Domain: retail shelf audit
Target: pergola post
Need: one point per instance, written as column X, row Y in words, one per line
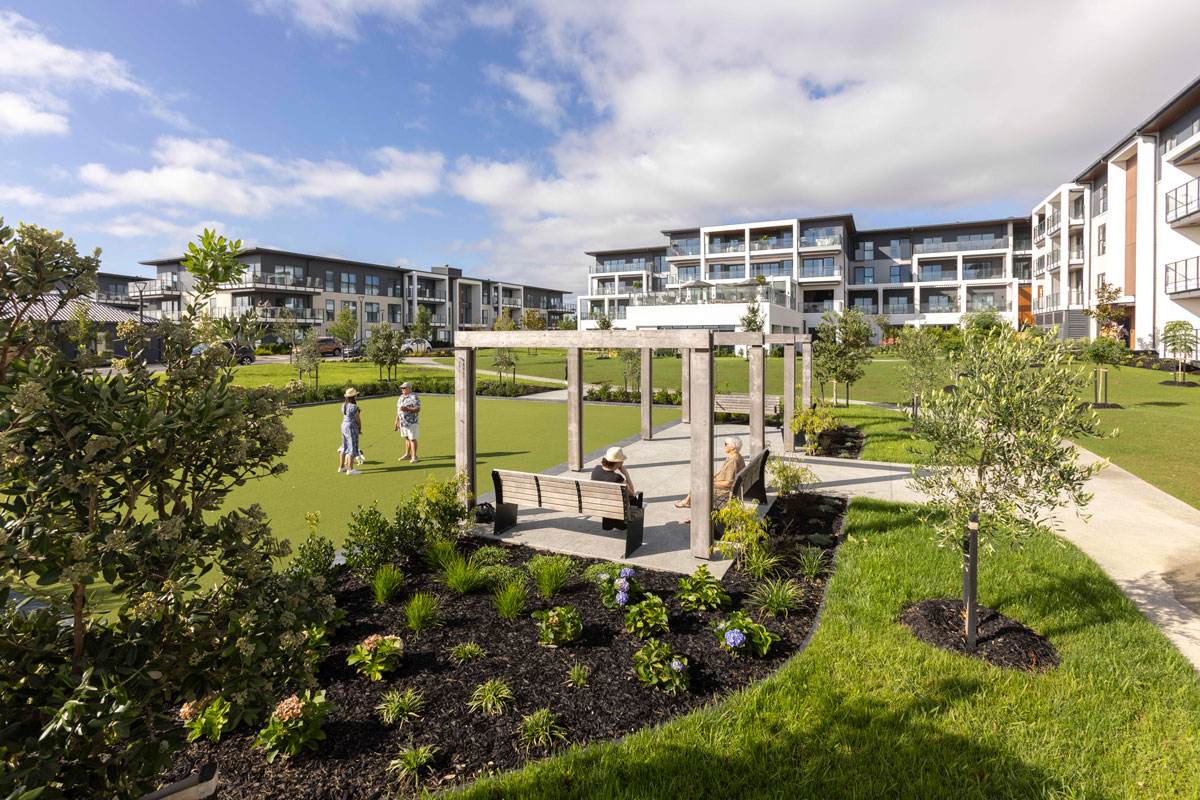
column 575, row 408
column 686, row 384
column 806, row 373
column 464, row 415
column 757, row 399
column 647, row 393
column 789, row 396
column 701, row 379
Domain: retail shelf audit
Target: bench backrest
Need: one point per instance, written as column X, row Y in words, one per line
column 593, row 498
column 749, row 474
column 740, row 403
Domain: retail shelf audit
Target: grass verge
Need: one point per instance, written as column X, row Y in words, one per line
column 868, row 711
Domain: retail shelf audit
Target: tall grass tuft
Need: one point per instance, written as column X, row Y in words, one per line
column 386, row 583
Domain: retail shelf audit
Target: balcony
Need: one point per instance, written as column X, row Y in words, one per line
column 866, row 308
column 1183, row 205
column 988, row 304
column 1075, row 297
column 515, row 302
column 710, row 295
column 772, row 244
column 683, row 249
column 431, row 294
column 1039, row 267
column 618, row 266
column 819, row 307
column 820, row 241
column 897, row 309
column 939, row 307
column 1054, row 259
column 1022, row 245
column 888, row 253
column 823, row 271
column 1075, row 256
column 152, row 290
column 154, row 313
column 1184, row 147
column 1039, row 233
column 1047, row 302
column 1077, row 217
column 983, row 273
column 271, row 314
column 1183, row 277
column 770, row 271
column 279, row 283
column 116, row 298
column 933, row 274
column 727, row 247
column 1054, row 223
column 998, row 243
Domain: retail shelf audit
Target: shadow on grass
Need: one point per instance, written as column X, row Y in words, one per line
column 1159, row 403
column 1067, row 602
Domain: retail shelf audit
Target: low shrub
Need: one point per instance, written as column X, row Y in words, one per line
column 739, row 635
column 498, row 575
column 744, row 528
column 377, row 655
column 489, row 555
column 295, row 725
column 700, row 591
column 594, row 571
column 551, row 573
column 370, row 541
column 387, row 583
column 790, row 476
column 400, row 706
column 540, row 729
column 619, row 589
column 810, row 423
column 490, row 697
column 647, row 618
column 659, row 667
column 421, row 384
column 422, row 612
column 466, row 652
column 777, row 596
column 206, row 719
column 510, row 600
column 315, row 558
column 559, row 625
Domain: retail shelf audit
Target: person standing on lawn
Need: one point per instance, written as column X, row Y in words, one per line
column 351, row 430
column 408, row 406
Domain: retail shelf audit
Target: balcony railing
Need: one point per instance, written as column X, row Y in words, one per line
column 280, row 282
column 116, row 298
column 998, row 243
column 1039, row 232
column 1076, row 254
column 431, row 294
column 710, row 295
column 866, row 308
column 515, row 302
column 938, row 275
column 1054, row 223
column 155, row 288
column 1183, row 201
column 1077, row 216
column 1022, row 245
column 154, row 313
column 690, row 249
column 899, row 308
column 941, row 308
column 982, row 273
column 820, row 241
column 1075, row 297
column 271, row 313
column 1054, row 259
column 822, row 271
column 819, row 307
column 770, row 271
column 619, row 266
column 777, row 244
column 1182, row 276
column 727, row 247
column 980, row 304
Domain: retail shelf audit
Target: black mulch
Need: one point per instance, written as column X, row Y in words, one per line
column 1100, row 405
column 841, row 442
column 1188, row 384
column 1002, row 642
column 352, row 761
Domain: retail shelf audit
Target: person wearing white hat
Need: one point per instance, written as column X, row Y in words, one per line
column 351, row 429
column 723, row 480
column 408, row 406
column 611, row 469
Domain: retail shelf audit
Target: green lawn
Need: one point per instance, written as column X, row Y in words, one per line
column 885, row 440
column 333, row 373
column 869, row 712
column 513, row 434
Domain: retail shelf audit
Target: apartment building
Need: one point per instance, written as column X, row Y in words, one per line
column 797, row 269
column 1130, row 219
column 315, row 288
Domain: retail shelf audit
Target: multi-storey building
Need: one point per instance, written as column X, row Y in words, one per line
column 1131, row 219
column 797, row 269
column 315, row 288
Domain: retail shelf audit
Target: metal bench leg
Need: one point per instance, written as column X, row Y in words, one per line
column 633, row 530
column 506, row 517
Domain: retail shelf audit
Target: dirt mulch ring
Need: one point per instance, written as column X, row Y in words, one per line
column 1187, row 384
column 1101, row 405
column 1003, row 642
column 352, row 761
column 841, row 442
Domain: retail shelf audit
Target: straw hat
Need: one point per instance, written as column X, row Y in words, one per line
column 615, row 454
column 351, row 392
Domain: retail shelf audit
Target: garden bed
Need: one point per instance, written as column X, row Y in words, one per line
column 353, row 760
column 1002, row 642
column 843, row 441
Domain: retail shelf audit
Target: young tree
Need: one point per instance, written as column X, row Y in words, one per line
column 631, row 366
column 1180, row 339
column 117, row 484
column 841, row 348
column 568, row 324
column 923, row 369
column 286, row 328
column 422, row 327
column 379, row 346
column 531, row 320
column 1005, row 429
column 1107, row 314
column 754, row 318
column 887, row 331
column 308, row 357
column 504, row 357
column 81, row 330
column 345, row 327
column 984, row 321
column 1104, row 352
column 603, row 321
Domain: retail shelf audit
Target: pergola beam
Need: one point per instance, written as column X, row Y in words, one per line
column 610, row 339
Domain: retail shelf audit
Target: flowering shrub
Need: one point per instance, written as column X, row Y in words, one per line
column 659, row 667
column 295, row 725
column 701, row 592
column 619, row 590
column 740, row 635
column 208, row 721
column 559, row 625
column 377, row 655
column 647, row 617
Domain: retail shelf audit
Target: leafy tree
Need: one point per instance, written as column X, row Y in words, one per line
column 568, row 324
column 754, row 318
column 286, row 328
column 1104, row 352
column 887, row 331
column 1106, row 312
column 1180, row 339
column 631, row 366
column 383, row 348
column 114, row 486
column 603, row 321
column 345, row 327
column 985, row 321
column 923, row 368
column 422, row 327
column 1005, row 430
column 841, row 348
column 309, row 358
column 531, row 320
column 505, row 357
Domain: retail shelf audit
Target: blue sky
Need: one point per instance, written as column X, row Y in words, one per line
column 507, row 139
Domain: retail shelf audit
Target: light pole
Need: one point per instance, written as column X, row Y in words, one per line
column 360, row 317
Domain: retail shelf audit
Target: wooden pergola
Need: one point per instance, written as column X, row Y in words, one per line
column 696, row 346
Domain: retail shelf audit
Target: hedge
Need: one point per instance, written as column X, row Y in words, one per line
column 421, row 385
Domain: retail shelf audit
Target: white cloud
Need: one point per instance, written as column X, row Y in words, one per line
column 25, row 196
column 37, row 72
column 539, row 98
column 493, row 16
column 341, row 19
column 141, row 226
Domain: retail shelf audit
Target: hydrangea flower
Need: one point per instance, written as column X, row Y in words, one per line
column 604, row 576
column 677, row 665
column 289, row 709
column 735, row 638
column 622, row 598
column 628, row 572
column 622, row 585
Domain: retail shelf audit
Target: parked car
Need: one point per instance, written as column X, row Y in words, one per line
column 355, row 349
column 243, row 354
column 326, row 345
column 414, row 347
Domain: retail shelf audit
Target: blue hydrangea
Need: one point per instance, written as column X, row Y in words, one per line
column 622, row 585
column 735, row 638
column 604, row 576
column 628, row 572
column 677, row 665
column 622, row 598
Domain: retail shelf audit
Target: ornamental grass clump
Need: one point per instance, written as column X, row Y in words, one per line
column 647, row 618
column 578, row 675
column 777, row 596
column 387, row 583
column 760, row 562
column 206, row 719
column 811, row 563
column 412, row 760
column 700, row 591
column 619, row 589
column 490, row 697
column 541, row 729
column 551, row 573
column 465, row 652
column 498, row 575
column 439, row 553
column 400, row 706
column 740, row 635
column 377, row 655
column 560, row 625
column 295, row 725
column 423, row 612
column 510, row 600
column 462, row 575
column 659, row 667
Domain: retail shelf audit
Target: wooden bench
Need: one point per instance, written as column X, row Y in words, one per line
column 740, row 404
column 557, row 493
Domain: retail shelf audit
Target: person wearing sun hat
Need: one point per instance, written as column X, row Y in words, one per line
column 408, row 407
column 351, row 429
column 611, row 469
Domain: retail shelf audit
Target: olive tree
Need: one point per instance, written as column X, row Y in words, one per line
column 309, row 358
column 113, row 487
column 841, row 347
column 923, row 369
column 504, row 358
column 383, row 348
column 1104, row 352
column 1004, row 431
column 345, row 327
column 1179, row 339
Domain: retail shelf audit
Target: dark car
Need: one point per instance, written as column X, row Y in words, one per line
column 244, row 354
column 356, row 348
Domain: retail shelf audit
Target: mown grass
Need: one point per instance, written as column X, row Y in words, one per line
column 885, row 439
column 868, row 711
column 333, row 373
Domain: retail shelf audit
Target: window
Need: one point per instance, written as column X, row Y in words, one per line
column 349, row 283
column 689, row 273
column 329, row 286
column 895, row 304
column 864, row 274
column 868, row 252
column 898, row 273
column 976, row 237
column 330, row 313
column 394, row 288
column 660, row 264
column 396, row 313
column 1100, row 201
column 863, row 302
column 899, row 248
column 1101, row 235
column 351, row 306
column 372, row 285
column 818, row 267
column 371, row 312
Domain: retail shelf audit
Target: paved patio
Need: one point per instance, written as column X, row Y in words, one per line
column 660, row 469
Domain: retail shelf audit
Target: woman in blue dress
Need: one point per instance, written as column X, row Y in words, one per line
column 351, row 430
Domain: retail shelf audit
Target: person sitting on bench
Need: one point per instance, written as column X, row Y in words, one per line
column 723, row 480
column 611, row 469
